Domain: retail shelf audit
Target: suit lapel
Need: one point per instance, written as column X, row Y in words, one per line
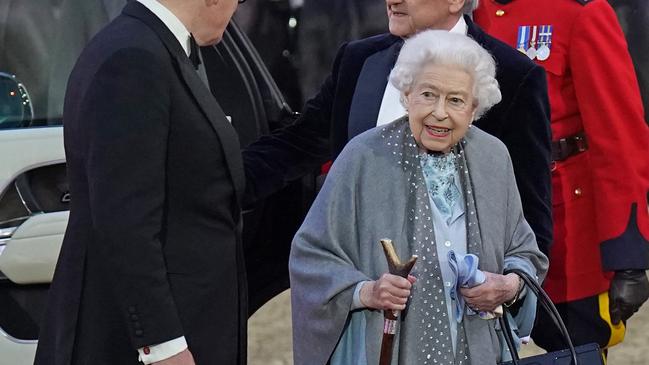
column 206, row 101
column 217, row 118
column 370, row 87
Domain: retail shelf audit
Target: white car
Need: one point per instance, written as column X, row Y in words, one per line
column 42, row 39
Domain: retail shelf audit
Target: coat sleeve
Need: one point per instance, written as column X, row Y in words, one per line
column 127, row 109
column 613, row 120
column 322, row 263
column 295, row 150
column 527, row 136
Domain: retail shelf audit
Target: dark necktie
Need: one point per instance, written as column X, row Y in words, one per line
column 193, row 52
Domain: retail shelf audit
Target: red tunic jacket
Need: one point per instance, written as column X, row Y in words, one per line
column 599, row 197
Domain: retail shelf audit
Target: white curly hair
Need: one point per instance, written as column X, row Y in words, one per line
column 445, row 48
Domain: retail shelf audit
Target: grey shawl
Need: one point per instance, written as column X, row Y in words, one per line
column 368, row 195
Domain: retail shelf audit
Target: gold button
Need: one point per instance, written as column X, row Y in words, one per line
column 578, row 192
column 500, row 12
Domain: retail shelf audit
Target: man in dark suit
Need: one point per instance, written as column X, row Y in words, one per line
column 356, row 95
column 151, row 264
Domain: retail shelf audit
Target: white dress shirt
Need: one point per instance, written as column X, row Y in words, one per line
column 171, row 21
column 165, row 350
column 391, row 107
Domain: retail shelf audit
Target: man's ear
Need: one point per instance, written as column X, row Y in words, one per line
column 455, row 6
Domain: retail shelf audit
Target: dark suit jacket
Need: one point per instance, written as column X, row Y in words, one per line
column 152, row 250
column 349, row 101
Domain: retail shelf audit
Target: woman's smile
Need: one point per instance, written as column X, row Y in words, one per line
column 438, row 132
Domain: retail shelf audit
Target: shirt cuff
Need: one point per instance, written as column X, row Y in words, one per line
column 356, row 302
column 162, row 351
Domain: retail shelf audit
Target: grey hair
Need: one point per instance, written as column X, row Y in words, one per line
column 469, row 6
column 445, row 48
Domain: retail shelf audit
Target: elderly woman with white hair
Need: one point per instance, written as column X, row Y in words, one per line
column 440, row 189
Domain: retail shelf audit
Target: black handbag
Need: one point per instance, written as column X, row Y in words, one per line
column 588, row 354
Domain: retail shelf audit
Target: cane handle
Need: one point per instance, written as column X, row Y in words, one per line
column 394, row 263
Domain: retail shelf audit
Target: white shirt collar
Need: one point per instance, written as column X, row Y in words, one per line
column 460, row 27
column 171, row 21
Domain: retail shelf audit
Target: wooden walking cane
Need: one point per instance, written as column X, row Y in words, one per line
column 391, row 317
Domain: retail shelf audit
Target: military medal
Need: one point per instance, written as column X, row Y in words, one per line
column 543, row 53
column 545, row 39
column 531, row 52
column 523, row 38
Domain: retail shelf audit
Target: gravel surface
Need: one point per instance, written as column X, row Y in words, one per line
column 269, row 341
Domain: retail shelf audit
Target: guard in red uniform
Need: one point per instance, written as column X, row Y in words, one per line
column 600, row 169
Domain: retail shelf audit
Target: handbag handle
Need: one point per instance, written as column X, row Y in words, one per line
column 547, row 305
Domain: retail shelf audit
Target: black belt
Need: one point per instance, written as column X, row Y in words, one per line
column 569, row 146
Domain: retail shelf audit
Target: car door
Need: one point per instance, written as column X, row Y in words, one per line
column 39, row 41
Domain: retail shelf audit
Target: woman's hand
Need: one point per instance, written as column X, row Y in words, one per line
column 389, row 292
column 496, row 290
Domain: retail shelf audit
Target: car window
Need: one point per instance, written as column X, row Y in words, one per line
column 40, row 41
column 26, row 41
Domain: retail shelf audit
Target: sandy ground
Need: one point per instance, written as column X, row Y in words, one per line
column 270, row 337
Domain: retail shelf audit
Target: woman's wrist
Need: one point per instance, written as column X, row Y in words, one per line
column 365, row 295
column 516, row 286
